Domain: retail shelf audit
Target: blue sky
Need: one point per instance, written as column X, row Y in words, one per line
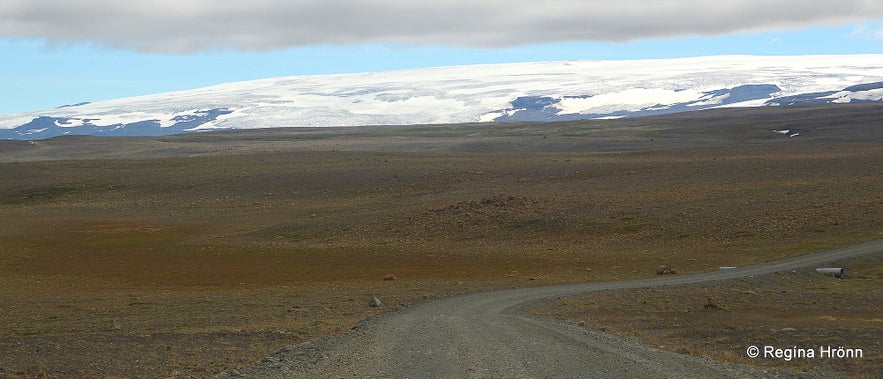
column 45, row 69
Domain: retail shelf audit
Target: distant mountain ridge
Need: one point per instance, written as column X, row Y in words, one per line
column 542, row 91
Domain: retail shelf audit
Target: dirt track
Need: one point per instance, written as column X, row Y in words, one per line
column 491, row 334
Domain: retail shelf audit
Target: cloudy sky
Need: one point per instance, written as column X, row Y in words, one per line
column 56, row 52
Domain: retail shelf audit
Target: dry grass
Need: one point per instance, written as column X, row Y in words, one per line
column 190, row 266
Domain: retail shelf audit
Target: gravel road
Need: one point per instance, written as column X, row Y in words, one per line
column 492, row 335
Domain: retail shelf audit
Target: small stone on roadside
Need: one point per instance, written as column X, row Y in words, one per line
column 374, row 302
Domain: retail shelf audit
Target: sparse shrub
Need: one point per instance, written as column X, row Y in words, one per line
column 712, row 304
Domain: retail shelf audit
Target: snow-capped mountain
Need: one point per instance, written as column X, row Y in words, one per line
column 545, row 91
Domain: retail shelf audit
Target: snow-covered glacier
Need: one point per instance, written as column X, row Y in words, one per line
column 541, row 91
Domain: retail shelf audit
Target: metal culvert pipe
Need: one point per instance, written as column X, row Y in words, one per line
column 837, row 272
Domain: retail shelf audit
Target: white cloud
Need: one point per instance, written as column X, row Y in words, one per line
column 194, row 25
column 868, row 32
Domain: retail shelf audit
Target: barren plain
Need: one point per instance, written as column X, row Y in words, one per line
column 197, row 254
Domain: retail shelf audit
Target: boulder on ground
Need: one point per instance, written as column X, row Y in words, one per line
column 665, row 270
